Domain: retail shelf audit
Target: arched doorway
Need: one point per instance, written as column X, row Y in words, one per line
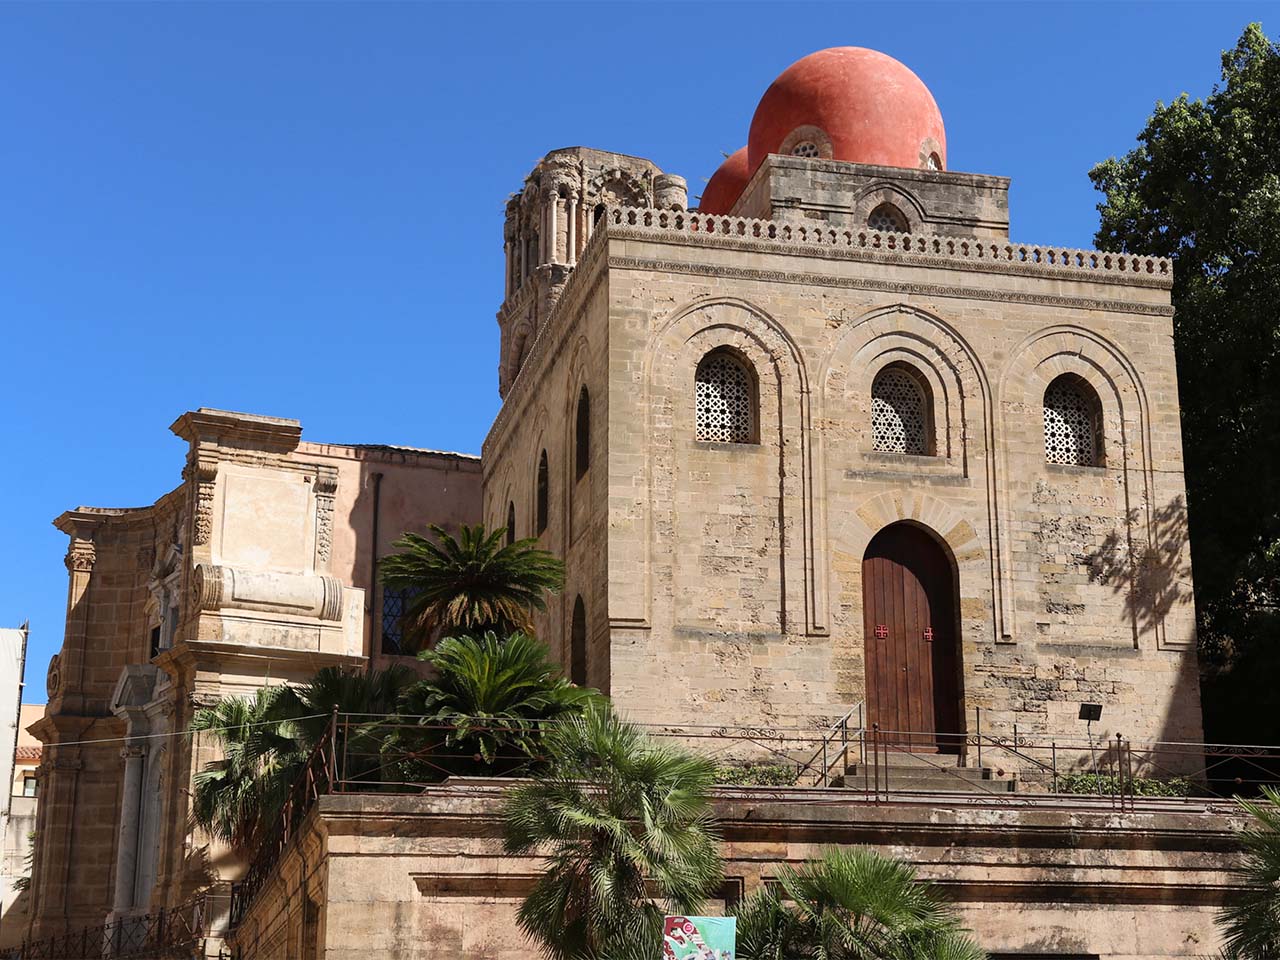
column 909, row 595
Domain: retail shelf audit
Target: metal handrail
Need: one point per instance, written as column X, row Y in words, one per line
column 839, row 728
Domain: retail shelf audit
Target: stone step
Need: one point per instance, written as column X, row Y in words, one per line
column 924, row 773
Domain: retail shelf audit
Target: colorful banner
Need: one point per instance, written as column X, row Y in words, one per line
column 699, row 938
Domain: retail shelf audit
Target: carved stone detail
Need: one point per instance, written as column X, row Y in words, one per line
column 325, row 487
column 204, row 472
column 53, row 676
column 81, row 556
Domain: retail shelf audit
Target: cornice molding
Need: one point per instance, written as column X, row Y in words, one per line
column 889, row 286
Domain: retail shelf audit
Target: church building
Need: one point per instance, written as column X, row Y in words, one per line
column 822, row 439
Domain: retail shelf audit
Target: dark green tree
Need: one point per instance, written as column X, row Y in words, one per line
column 471, row 584
column 1203, row 188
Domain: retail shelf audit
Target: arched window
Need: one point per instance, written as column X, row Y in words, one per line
column 900, row 412
column 543, row 482
column 578, row 644
column 1072, row 422
column 725, row 398
column 582, row 435
column 597, row 214
column 887, row 218
column 511, row 524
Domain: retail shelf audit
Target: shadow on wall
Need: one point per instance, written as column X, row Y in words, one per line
column 14, row 920
column 1153, row 577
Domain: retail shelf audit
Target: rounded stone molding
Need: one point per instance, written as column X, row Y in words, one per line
column 53, row 676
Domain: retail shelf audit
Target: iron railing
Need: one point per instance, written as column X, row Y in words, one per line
column 179, row 933
column 848, row 761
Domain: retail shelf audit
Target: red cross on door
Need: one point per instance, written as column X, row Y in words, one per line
column 882, row 632
column 928, row 634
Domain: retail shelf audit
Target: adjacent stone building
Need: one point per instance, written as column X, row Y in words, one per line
column 829, row 441
column 254, row 570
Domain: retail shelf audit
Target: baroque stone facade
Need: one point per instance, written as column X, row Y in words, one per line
column 254, row 570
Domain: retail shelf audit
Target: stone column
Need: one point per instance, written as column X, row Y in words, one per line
column 520, row 246
column 571, row 243
column 552, row 239
column 130, row 823
column 506, row 269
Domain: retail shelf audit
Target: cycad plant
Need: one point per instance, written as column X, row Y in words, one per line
column 626, row 827
column 1251, row 924
column 493, row 698
column 471, row 584
column 850, row 904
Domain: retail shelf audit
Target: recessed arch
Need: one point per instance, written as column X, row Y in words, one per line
column 543, row 495
column 578, row 643
column 511, row 522
column 582, row 435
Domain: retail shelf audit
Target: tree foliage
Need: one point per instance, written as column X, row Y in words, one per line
column 494, row 696
column 471, row 584
column 266, row 739
column 1203, row 187
column 1251, row 924
column 614, row 810
column 850, row 904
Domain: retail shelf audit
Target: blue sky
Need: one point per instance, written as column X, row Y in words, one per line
column 296, row 209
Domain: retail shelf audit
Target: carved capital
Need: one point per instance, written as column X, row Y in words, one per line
column 81, row 556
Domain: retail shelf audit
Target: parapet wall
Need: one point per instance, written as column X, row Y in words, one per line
column 424, row 877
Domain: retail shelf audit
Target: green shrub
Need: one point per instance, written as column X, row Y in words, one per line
column 1106, row 784
column 756, row 774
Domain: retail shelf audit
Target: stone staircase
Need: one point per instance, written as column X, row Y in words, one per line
column 903, row 772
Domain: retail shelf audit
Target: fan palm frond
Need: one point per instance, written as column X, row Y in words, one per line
column 613, row 811
column 1251, row 923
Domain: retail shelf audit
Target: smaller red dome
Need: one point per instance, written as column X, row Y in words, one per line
column 849, row 103
column 726, row 184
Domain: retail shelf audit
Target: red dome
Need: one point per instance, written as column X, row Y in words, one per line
column 858, row 104
column 726, row 184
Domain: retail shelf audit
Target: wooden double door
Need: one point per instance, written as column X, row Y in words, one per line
column 912, row 659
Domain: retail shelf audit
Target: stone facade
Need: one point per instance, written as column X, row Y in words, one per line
column 256, row 569
column 425, row 878
column 723, row 581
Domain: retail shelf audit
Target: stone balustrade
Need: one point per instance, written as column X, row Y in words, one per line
column 932, row 246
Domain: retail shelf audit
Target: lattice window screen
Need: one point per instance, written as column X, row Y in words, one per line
column 887, row 218
column 805, row 148
column 899, row 419
column 725, row 400
column 1070, row 425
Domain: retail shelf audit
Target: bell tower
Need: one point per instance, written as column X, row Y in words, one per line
column 548, row 225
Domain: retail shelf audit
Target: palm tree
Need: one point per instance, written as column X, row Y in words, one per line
column 472, row 584
column 237, row 798
column 495, row 697
column 267, row 738
column 624, row 821
column 1251, row 925
column 851, row 905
